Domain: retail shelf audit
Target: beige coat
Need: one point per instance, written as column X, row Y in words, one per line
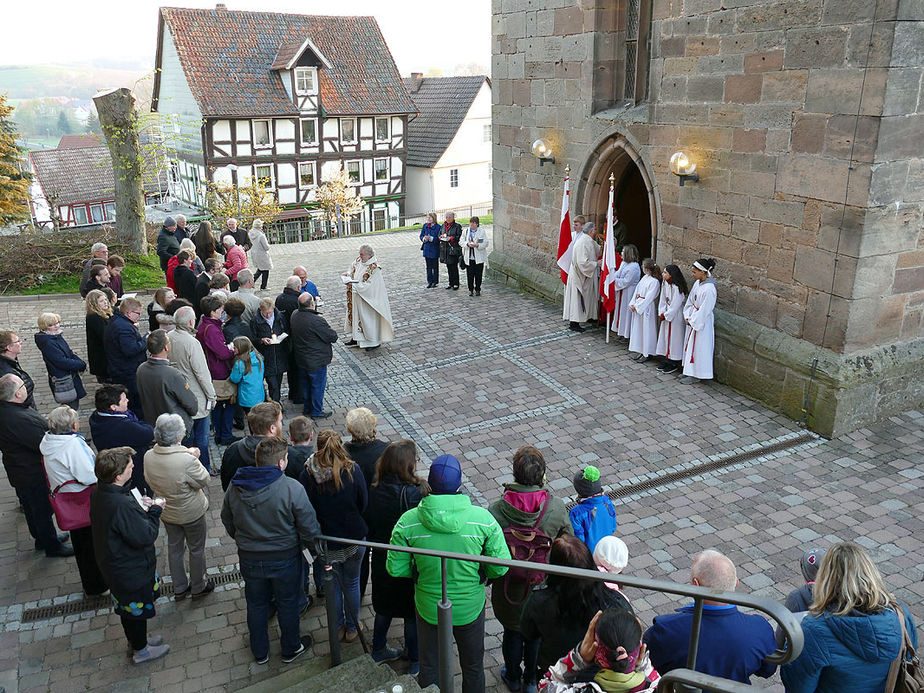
column 259, row 250
column 582, row 289
column 187, row 357
column 179, row 477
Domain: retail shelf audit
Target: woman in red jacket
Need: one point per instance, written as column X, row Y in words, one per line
column 235, row 260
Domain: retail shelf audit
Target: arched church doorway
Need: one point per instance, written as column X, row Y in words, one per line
column 634, row 197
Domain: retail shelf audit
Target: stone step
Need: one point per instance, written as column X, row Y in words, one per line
column 359, row 674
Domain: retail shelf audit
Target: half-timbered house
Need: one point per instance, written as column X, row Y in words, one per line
column 286, row 99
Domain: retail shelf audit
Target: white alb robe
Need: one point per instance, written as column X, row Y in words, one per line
column 643, row 338
column 581, row 295
column 625, row 280
column 673, row 327
column 700, row 339
column 368, row 316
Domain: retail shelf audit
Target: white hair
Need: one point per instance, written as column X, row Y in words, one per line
column 187, row 244
column 169, row 429
column 185, row 316
column 294, row 282
column 96, row 247
column 61, row 420
column 257, row 224
column 714, row 569
column 245, row 276
column 367, row 248
column 232, row 220
column 179, row 218
column 588, row 227
column 228, row 241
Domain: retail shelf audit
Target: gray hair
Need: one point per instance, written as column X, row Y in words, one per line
column 179, row 218
column 367, row 248
column 9, row 386
column 185, row 317
column 228, row 241
column 96, row 247
column 306, row 299
column 257, row 224
column 715, row 570
column 294, row 282
column 187, row 244
column 588, row 227
column 169, row 429
column 232, row 220
column 244, row 276
column 61, row 420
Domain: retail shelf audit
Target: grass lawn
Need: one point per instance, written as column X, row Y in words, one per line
column 137, row 275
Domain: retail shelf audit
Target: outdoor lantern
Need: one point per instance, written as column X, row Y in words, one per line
column 683, row 169
column 543, row 152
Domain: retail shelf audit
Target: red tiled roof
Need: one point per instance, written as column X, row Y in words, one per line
column 77, row 141
column 228, row 56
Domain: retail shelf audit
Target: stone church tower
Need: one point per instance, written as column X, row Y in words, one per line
column 805, row 119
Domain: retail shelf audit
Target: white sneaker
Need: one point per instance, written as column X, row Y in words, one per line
column 150, row 653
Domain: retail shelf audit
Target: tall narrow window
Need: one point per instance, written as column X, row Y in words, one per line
column 353, row 171
column 453, row 178
column 347, row 130
column 306, row 174
column 96, row 214
column 309, row 132
column 261, row 134
column 80, row 214
column 264, row 175
column 381, row 130
column 381, row 169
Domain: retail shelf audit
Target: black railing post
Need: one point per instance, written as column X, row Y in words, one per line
column 694, row 641
column 444, row 634
column 333, row 632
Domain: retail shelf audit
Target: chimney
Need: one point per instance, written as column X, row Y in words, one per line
column 416, row 80
column 221, row 7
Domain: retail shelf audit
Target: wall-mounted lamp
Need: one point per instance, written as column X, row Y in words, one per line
column 683, row 169
column 543, row 152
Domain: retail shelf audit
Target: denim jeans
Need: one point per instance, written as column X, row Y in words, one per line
column 433, row 270
column 348, row 572
column 222, row 416
column 199, row 437
column 313, row 386
column 380, row 630
column 279, row 581
column 517, row 649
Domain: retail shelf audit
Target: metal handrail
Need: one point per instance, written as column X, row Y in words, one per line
column 790, row 627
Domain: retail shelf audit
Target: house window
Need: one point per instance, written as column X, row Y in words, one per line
column 80, row 215
column 264, row 175
column 353, row 171
column 381, row 130
column 453, row 178
column 96, row 214
column 309, row 131
column 347, row 130
column 261, row 134
column 379, row 219
column 486, row 133
column 306, row 80
column 110, row 211
column 306, row 174
column 381, row 169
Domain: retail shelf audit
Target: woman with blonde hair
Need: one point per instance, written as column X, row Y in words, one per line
column 363, row 447
column 63, row 365
column 337, row 491
column 99, row 310
column 853, row 629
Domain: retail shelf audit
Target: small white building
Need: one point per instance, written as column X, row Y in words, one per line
column 449, row 143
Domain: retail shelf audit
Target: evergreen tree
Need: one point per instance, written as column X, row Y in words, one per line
column 14, row 178
column 93, row 124
column 63, row 124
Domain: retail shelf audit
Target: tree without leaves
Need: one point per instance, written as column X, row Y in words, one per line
column 14, row 181
column 337, row 197
column 256, row 201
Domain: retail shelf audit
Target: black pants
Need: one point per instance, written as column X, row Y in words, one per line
column 474, row 272
column 136, row 630
column 453, row 269
column 261, row 273
column 433, row 270
column 92, row 580
column 37, row 508
column 470, row 641
column 235, row 285
column 274, row 385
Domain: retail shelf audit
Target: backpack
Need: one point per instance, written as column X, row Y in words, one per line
column 527, row 544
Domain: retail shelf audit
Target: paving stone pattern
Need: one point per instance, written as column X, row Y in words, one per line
column 478, row 377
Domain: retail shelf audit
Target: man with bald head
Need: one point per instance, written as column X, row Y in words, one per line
column 307, row 286
column 732, row 645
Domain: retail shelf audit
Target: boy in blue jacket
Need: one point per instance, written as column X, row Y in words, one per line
column 594, row 516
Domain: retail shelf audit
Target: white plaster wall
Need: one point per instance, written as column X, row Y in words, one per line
column 419, row 199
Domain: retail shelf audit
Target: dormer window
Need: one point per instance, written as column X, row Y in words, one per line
column 306, row 80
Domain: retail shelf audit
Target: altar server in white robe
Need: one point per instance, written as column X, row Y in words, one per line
column 368, row 314
column 581, row 294
column 643, row 308
column 670, row 312
column 698, row 313
column 625, row 280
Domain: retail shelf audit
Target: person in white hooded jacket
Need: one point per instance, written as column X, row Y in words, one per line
column 69, row 466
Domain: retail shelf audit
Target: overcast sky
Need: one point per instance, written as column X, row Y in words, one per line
column 420, row 33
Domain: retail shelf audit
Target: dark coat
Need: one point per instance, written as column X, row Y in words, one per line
column 298, row 455
column 387, row 502
column 236, row 327
column 8, row 365
column 185, row 280
column 21, row 431
column 125, row 350
column 242, row 454
column 340, row 513
column 168, row 245
column 311, row 339
column 202, row 290
column 123, row 541
column 60, row 360
column 275, row 356
column 447, row 256
column 96, row 350
column 164, row 390
column 112, row 430
column 366, row 455
column 287, row 303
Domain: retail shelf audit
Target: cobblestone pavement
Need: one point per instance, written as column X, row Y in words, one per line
column 478, row 377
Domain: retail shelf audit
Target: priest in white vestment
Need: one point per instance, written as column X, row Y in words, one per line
column 368, row 314
column 581, row 291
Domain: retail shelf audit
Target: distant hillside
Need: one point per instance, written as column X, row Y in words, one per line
column 36, row 81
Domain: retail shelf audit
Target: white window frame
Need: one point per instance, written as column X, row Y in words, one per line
column 269, row 133
column 109, row 208
column 375, row 173
column 359, row 168
column 314, row 175
column 375, row 124
column 86, row 214
column 486, row 133
column 301, row 131
column 453, row 178
column 100, row 216
column 272, row 177
column 313, row 73
column 355, row 133
column 383, row 211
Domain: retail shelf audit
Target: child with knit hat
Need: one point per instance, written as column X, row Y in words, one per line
column 594, row 516
column 800, row 599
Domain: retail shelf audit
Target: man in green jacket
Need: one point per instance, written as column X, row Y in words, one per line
column 446, row 520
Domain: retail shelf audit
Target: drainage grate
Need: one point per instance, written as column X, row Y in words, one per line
column 96, row 603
